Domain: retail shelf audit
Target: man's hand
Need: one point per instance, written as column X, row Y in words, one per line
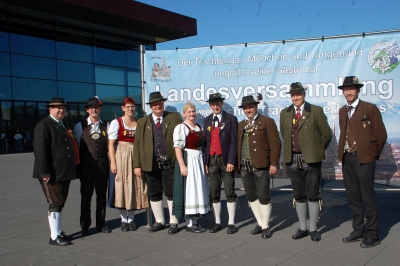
column 230, row 167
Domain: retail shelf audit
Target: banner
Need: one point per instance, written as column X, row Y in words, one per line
column 269, row 68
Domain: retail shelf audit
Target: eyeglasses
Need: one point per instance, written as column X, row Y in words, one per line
column 129, row 106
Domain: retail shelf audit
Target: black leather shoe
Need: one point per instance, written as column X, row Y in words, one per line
column 124, row 227
column 353, row 237
column 132, row 226
column 201, row 228
column 194, row 229
column 59, row 241
column 257, row 230
column 85, row 232
column 215, row 228
column 231, row 229
column 156, row 227
column 173, row 229
column 63, row 235
column 369, row 242
column 315, row 236
column 300, row 234
column 266, row 233
column 104, row 229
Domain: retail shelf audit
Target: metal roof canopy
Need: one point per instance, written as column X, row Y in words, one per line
column 135, row 22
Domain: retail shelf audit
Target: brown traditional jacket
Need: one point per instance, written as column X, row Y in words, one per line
column 369, row 131
column 264, row 142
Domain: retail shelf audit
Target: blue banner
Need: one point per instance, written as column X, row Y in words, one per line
column 269, row 68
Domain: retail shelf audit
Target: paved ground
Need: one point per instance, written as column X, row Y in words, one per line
column 24, row 232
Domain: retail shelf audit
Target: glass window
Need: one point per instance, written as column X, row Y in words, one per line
column 6, row 110
column 73, row 71
column 22, row 44
column 134, row 78
column 133, row 59
column 5, row 64
column 4, row 41
column 75, row 92
column 111, row 94
column 110, row 112
column 110, row 75
column 5, row 88
column 136, row 94
column 75, row 52
column 110, row 57
column 43, row 111
column 33, row 67
column 34, row 89
column 30, row 119
column 19, row 114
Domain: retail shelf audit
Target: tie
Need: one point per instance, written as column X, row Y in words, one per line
column 349, row 108
column 158, row 124
column 216, row 121
column 298, row 114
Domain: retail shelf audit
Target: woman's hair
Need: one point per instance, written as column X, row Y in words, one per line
column 128, row 100
column 186, row 106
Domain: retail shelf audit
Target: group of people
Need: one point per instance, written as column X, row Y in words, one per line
column 159, row 155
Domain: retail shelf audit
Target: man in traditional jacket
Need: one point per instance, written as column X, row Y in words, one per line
column 306, row 135
column 259, row 149
column 56, row 157
column 220, row 159
column 154, row 155
column 362, row 138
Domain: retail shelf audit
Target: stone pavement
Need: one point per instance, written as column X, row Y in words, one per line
column 24, row 232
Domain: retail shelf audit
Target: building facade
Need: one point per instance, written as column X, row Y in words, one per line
column 76, row 50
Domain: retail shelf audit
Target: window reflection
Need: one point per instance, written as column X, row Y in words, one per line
column 110, row 57
column 34, row 89
column 110, row 75
column 6, row 110
column 111, row 94
column 4, row 42
column 75, row 52
column 5, row 88
column 133, row 77
column 33, row 67
column 75, row 92
column 37, row 46
column 5, row 64
column 73, row 71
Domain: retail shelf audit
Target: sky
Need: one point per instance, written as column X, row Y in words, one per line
column 222, row 22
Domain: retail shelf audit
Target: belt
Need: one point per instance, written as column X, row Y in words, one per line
column 350, row 151
column 163, row 165
column 216, row 156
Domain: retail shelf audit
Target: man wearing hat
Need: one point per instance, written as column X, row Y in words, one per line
column 306, row 135
column 56, row 157
column 362, row 138
column 259, row 149
column 91, row 134
column 220, row 159
column 154, row 155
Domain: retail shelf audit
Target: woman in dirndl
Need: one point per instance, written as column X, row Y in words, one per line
column 127, row 192
column 191, row 198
